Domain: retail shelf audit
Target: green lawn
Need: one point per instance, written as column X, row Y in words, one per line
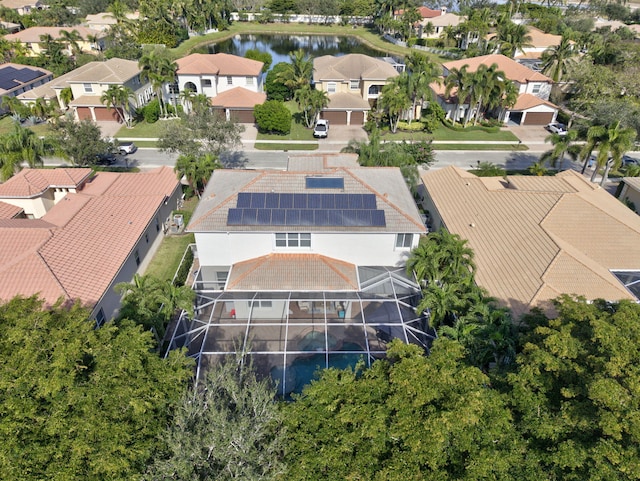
column 470, row 134
column 6, row 126
column 514, row 147
column 143, row 130
column 284, row 146
column 166, row 261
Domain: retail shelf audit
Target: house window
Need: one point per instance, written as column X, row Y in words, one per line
column 404, row 240
column 206, row 82
column 157, row 225
column 221, row 278
column 137, row 256
column 249, row 80
column 146, row 237
column 262, row 304
column 354, row 84
column 88, row 88
column 293, row 239
column 100, row 317
column 229, row 80
column 535, row 88
column 331, row 88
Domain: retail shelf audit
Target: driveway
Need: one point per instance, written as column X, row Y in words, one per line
column 531, row 135
column 109, row 129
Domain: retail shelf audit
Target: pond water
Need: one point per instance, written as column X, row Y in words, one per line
column 279, row 46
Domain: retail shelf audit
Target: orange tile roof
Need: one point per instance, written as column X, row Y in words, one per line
column 536, row 237
column 238, row 97
column 79, row 246
column 217, row 64
column 33, row 182
column 33, row 34
column 306, row 272
column 527, row 101
column 8, row 211
column 512, row 69
column 425, row 12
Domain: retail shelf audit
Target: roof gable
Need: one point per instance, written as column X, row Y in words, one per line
column 512, row 69
column 218, row 64
column 351, row 66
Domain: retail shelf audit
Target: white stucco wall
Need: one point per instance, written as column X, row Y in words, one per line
column 220, row 249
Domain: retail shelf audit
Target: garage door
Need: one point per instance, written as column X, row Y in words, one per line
column 243, row 116
column 335, row 118
column 357, row 118
column 84, row 113
column 104, row 114
column 538, row 118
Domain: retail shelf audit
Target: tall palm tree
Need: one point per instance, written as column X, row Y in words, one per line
column 71, row 39
column 311, row 102
column 562, row 144
column 159, row 70
column 175, row 297
column 66, row 96
column 512, row 38
column 422, row 73
column 19, row 146
column 298, row 72
column 556, row 61
column 394, row 100
column 196, row 170
column 458, row 80
column 611, row 142
column 118, row 97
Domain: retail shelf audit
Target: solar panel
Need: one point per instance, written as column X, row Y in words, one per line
column 234, row 217
column 244, row 200
column 264, row 217
column 324, row 183
column 306, row 209
column 272, row 201
column 27, row 75
column 278, row 217
column 300, row 201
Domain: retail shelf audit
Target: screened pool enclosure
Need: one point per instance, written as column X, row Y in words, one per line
column 290, row 335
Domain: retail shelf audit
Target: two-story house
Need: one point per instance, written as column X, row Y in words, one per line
column 24, row 7
column 353, row 82
column 35, row 39
column 303, row 265
column 234, row 84
column 89, row 82
column 532, row 106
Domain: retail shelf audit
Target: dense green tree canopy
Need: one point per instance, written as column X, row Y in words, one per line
column 79, row 403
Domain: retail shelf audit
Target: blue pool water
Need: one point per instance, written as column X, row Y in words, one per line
column 304, row 369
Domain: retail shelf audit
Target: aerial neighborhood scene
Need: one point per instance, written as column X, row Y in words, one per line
column 292, row 240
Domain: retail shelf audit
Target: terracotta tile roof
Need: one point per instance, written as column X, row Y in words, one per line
column 33, row 182
column 350, row 67
column 217, row 64
column 444, row 20
column 346, row 100
column 512, row 69
column 238, row 97
column 386, row 183
column 425, row 12
column 8, row 211
column 15, row 4
column 306, row 272
column 537, row 237
column 33, row 34
column 527, row 101
column 78, row 247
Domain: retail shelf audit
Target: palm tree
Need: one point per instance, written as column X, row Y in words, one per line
column 557, row 60
column 118, row 96
column 298, row 72
column 159, row 70
column 394, row 100
column 71, row 38
column 40, row 108
column 458, row 80
column 422, row 73
column 186, row 99
column 66, row 96
column 537, row 168
column 19, row 146
column 311, row 102
column 46, row 40
column 512, row 38
column 141, row 301
column 175, row 297
column 611, row 142
column 196, row 170
column 561, row 145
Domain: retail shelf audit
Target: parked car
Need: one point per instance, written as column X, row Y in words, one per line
column 557, row 128
column 321, row 130
column 107, row 158
column 627, row 161
column 127, row 147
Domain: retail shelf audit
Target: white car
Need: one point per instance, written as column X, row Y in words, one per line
column 557, row 128
column 321, row 130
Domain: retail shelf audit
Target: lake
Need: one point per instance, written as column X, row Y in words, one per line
column 279, row 46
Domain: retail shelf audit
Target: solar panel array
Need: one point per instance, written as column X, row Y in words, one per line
column 324, row 182
column 11, row 77
column 285, row 209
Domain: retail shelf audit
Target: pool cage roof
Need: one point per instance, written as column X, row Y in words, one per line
column 292, row 334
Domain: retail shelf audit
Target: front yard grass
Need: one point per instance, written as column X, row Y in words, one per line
column 446, row 134
column 514, row 147
column 167, row 259
column 284, row 146
column 143, row 130
column 6, row 126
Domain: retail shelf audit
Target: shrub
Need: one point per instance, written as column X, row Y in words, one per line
column 183, row 270
column 273, row 117
column 276, row 90
column 410, row 127
column 433, row 116
column 151, row 111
